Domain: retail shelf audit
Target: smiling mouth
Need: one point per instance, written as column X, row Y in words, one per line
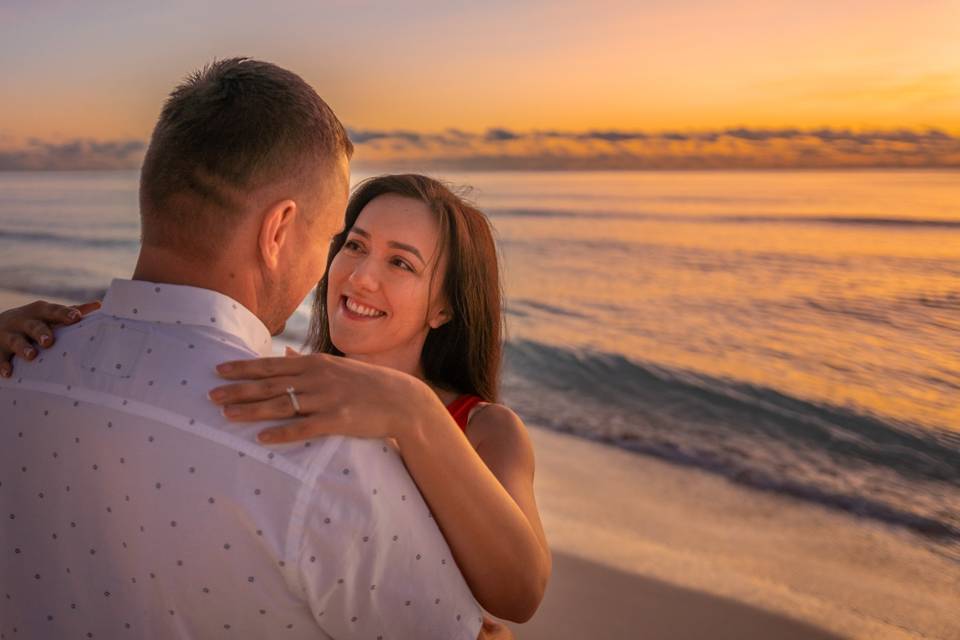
column 357, row 309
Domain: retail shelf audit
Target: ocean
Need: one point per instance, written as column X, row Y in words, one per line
column 795, row 332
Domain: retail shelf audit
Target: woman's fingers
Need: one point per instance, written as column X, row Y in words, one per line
column 88, row 307
column 272, row 409
column 19, row 346
column 262, row 368
column 335, row 395
column 6, row 369
column 252, row 391
column 293, row 432
column 37, row 319
column 52, row 312
column 70, row 315
column 23, row 328
column 314, row 416
column 39, row 332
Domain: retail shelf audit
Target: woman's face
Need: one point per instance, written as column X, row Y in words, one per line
column 380, row 302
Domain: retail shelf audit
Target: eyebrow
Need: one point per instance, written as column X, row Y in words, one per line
column 396, row 245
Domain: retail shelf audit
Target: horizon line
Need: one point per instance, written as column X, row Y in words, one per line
column 500, row 148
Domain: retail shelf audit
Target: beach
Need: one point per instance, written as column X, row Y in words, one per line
column 644, row 549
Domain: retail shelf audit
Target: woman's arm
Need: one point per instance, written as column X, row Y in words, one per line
column 494, row 530
column 482, row 500
column 25, row 329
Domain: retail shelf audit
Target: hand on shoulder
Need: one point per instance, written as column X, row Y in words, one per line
column 334, row 395
column 25, row 329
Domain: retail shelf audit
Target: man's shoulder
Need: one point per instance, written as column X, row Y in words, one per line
column 183, row 345
column 202, row 344
column 165, row 370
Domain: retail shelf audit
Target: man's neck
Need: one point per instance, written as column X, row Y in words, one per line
column 156, row 264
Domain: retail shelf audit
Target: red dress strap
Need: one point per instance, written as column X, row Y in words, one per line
column 461, row 407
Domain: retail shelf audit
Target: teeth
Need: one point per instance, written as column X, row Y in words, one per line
column 363, row 310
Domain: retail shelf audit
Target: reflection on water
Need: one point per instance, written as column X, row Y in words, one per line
column 726, row 274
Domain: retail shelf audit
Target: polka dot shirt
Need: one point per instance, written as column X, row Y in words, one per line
column 132, row 509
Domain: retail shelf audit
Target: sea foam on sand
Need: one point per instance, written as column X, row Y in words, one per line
column 647, row 549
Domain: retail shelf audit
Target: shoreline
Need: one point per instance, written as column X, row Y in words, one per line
column 701, row 554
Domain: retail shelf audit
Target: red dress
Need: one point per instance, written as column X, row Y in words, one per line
column 461, row 407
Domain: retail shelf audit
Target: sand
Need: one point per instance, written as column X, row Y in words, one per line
column 589, row 600
column 648, row 550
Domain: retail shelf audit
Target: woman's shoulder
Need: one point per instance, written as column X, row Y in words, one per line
column 492, row 422
column 494, row 413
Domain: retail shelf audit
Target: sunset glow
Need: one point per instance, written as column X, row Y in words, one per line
column 101, row 70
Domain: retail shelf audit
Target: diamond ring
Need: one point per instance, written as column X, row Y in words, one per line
column 293, row 400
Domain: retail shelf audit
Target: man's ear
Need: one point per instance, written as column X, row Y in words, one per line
column 440, row 318
column 276, row 228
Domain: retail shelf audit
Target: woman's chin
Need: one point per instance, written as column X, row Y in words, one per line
column 351, row 347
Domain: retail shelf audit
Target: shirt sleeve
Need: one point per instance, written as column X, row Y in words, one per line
column 373, row 562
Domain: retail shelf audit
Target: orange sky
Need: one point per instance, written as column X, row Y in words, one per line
column 101, row 70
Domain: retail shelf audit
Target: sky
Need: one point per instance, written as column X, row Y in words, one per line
column 98, row 71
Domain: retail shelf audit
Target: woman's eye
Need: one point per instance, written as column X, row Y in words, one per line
column 403, row 264
column 352, row 245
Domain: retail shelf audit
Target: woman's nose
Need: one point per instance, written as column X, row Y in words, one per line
column 364, row 276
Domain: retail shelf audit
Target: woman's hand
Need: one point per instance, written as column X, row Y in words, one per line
column 335, row 395
column 24, row 328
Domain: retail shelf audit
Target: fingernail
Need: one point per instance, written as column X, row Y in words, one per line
column 29, row 352
column 216, row 395
column 225, row 367
column 44, row 340
column 265, row 437
column 73, row 314
column 5, row 372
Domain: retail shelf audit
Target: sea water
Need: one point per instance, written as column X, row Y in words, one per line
column 797, row 332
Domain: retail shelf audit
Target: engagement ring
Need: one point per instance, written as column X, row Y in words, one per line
column 293, row 400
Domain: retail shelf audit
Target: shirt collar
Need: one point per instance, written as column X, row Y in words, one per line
column 179, row 304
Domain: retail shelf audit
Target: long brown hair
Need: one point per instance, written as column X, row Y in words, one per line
column 463, row 355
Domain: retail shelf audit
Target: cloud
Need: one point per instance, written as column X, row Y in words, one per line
column 739, row 147
column 610, row 136
column 70, row 155
column 501, row 134
column 500, row 148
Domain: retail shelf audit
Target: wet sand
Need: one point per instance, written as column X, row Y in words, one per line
column 645, row 549
column 588, row 600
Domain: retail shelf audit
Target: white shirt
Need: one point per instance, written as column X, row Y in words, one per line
column 132, row 509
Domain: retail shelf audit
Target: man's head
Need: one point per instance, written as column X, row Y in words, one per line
column 247, row 173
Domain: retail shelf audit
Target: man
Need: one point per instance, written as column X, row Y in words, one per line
column 131, row 508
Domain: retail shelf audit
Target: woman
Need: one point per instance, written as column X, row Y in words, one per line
column 412, row 284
